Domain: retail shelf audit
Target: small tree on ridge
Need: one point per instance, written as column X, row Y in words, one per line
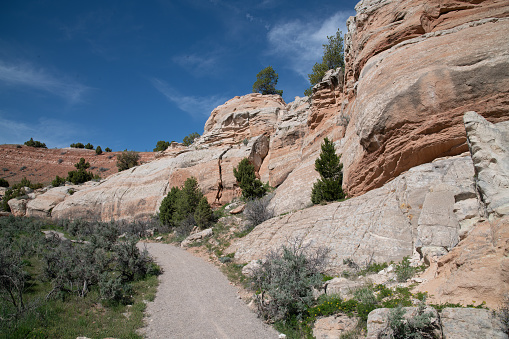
column 266, row 81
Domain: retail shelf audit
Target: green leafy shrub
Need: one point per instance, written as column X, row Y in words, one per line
column 107, row 149
column 203, row 215
column 183, row 207
column 58, row 181
column 81, row 174
column 77, row 145
column 33, row 143
column 89, row 146
column 161, row 146
column 4, row 183
column 17, row 191
column 421, row 325
column 127, row 160
column 98, row 150
column 188, row 140
column 266, row 81
column 405, row 271
column 328, row 187
column 252, row 187
column 288, row 277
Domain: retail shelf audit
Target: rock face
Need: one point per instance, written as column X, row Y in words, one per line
column 489, row 146
column 477, row 269
column 384, row 224
column 412, row 69
column 43, row 204
column 333, row 327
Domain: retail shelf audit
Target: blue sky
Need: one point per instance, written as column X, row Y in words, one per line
column 125, row 74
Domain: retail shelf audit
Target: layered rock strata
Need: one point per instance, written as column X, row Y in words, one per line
column 411, row 213
column 412, row 70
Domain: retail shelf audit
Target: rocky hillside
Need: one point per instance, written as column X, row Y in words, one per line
column 43, row 165
column 422, row 175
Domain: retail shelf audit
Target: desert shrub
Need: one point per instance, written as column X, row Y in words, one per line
column 419, row 326
column 58, row 181
column 81, row 174
column 60, row 161
column 77, row 145
column 33, row 143
column 189, row 140
column 257, row 211
column 328, row 187
column 252, row 187
column 287, row 278
column 161, row 145
column 89, row 146
column 16, row 191
column 405, row 271
column 98, row 150
column 107, row 149
column 4, row 183
column 203, row 214
column 127, row 160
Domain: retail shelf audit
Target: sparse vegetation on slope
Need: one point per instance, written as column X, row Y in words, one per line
column 32, row 143
column 127, row 160
column 52, row 287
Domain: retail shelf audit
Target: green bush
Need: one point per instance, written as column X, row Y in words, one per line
column 161, row 146
column 81, row 174
column 285, row 280
column 4, row 183
column 181, row 206
column 404, row 271
column 188, row 140
column 89, row 146
column 266, row 81
column 127, row 159
column 77, row 145
column 252, row 188
column 168, row 207
column 58, row 181
column 107, row 149
column 328, row 187
column 33, row 143
column 420, row 325
column 333, row 57
column 98, row 150
column 203, row 215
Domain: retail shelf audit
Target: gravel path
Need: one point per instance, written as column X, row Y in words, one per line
column 195, row 300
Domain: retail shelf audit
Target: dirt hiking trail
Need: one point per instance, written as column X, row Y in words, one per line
column 195, row 300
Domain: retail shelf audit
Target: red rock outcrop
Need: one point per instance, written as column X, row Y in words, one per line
column 413, row 69
column 43, row 165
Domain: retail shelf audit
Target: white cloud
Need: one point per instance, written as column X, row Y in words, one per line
column 301, row 42
column 25, row 75
column 54, row 133
column 197, row 107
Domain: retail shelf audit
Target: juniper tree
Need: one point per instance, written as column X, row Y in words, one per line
column 266, row 81
column 245, row 175
column 328, row 187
